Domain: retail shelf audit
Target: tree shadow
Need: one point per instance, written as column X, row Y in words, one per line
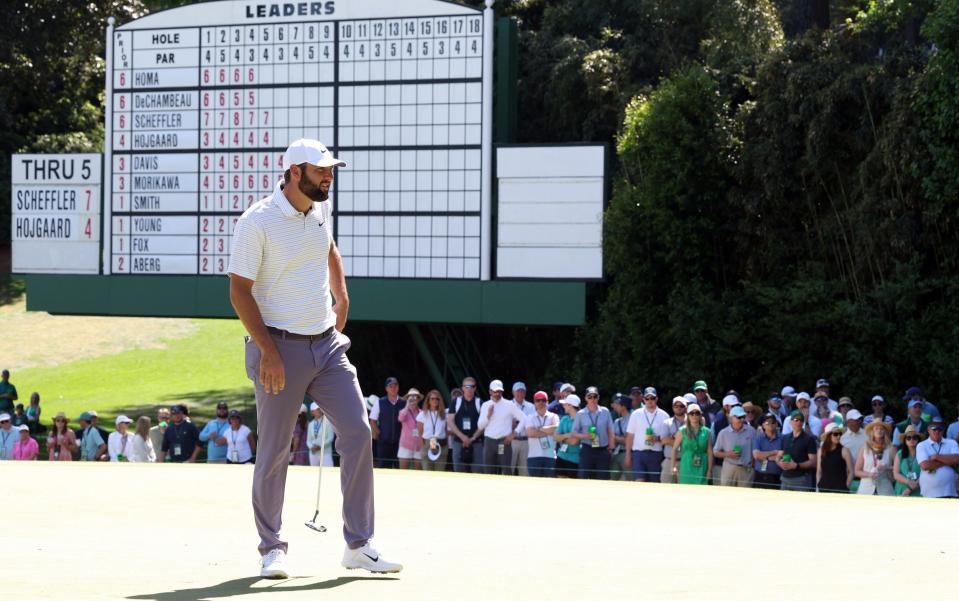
column 11, row 289
column 244, row 586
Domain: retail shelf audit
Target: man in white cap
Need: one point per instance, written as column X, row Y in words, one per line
column 316, row 441
column 497, row 419
column 644, row 439
column 285, row 270
column 520, row 445
column 8, row 437
column 854, row 438
column 120, row 443
column 788, row 393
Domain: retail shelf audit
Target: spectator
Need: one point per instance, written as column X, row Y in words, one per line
column 617, row 463
column 143, row 451
column 212, row 432
column 497, row 420
column 673, row 424
column 556, row 405
column 803, row 403
column 431, row 425
column 95, row 422
column 914, row 418
column 735, row 446
column 92, row 445
column 593, row 427
column 19, row 417
column 697, row 448
column 33, row 414
column 777, row 408
column 8, row 393
column 518, row 464
column 798, row 458
column 822, row 415
column 766, row 449
column 853, row 439
column 644, row 439
column 463, row 422
column 720, row 422
column 834, row 465
column 874, row 464
column 158, row 431
column 299, row 451
column 635, row 398
column 845, row 406
column 937, row 457
column 181, row 440
column 410, row 451
column 788, row 393
column 878, row 412
column 120, row 443
column 707, row 405
column 929, row 410
column 62, row 442
column 953, row 431
column 754, row 415
column 540, row 427
column 822, row 389
column 315, row 439
column 905, row 467
column 25, row 449
column 240, row 443
column 385, row 422
column 567, row 456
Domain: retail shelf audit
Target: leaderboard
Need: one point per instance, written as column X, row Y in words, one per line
column 201, row 115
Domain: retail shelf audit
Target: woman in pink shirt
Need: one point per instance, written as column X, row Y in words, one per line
column 25, row 449
column 411, row 445
column 62, row 442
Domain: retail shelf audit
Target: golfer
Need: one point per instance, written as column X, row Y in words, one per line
column 283, row 267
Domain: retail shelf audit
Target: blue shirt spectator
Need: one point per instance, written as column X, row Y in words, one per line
column 214, row 429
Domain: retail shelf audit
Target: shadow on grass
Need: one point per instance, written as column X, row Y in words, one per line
column 244, row 586
column 11, row 289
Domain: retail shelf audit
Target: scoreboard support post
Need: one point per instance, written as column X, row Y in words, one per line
column 487, row 210
column 108, row 152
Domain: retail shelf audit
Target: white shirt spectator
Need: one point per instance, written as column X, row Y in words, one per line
column 238, row 441
column 120, row 444
column 854, row 441
column 143, row 451
column 942, row 482
column 313, row 433
column 641, row 419
column 434, row 426
column 501, row 424
column 535, row 446
column 528, row 409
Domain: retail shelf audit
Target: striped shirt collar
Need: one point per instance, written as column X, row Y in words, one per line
column 281, row 201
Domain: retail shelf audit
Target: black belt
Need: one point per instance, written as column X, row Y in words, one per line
column 292, row 336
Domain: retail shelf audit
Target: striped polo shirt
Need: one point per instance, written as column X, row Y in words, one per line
column 286, row 254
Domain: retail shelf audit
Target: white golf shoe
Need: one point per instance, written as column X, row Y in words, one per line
column 274, row 565
column 367, row 558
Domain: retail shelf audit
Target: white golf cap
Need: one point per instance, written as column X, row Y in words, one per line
column 567, row 387
column 853, row 414
column 122, row 419
column 788, row 391
column 572, row 400
column 519, row 386
column 680, row 400
column 24, row 428
column 730, row 400
column 496, row 385
column 314, row 406
column 4, row 417
column 312, row 152
column 802, row 396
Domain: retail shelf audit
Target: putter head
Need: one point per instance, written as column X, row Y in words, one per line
column 314, row 526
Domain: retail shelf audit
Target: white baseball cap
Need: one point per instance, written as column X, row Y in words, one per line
column 571, row 399
column 567, row 387
column 4, row 417
column 24, row 428
column 496, row 385
column 729, row 400
column 312, row 152
column 853, row 414
column 804, row 396
column 122, row 419
column 314, row 406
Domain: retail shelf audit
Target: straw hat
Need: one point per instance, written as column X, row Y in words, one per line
column 413, row 391
column 878, row 424
column 59, row 415
column 910, row 429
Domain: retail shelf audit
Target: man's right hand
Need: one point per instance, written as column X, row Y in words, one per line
column 272, row 375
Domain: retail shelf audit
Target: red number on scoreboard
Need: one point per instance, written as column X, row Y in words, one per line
column 88, row 230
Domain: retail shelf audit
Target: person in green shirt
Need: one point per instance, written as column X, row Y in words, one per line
column 567, row 455
column 905, row 467
column 697, row 448
column 8, row 392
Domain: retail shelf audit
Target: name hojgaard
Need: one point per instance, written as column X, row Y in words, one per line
column 290, row 9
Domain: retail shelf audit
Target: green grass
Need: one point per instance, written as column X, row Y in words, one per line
column 199, row 370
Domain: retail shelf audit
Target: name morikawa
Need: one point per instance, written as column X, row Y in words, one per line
column 290, row 9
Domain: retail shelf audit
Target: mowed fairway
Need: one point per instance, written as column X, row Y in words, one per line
column 120, row 364
column 185, row 532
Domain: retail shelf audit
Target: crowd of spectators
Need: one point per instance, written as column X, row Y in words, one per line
column 790, row 441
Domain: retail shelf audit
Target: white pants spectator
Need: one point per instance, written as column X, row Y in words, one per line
column 520, row 455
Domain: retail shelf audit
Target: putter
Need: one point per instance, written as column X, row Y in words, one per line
column 312, row 525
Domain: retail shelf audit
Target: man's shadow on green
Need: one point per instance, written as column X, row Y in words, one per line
column 244, row 586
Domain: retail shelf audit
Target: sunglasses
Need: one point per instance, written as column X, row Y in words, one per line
column 836, row 434
column 539, row 401
column 650, row 398
column 696, row 413
column 469, row 385
column 874, row 403
column 912, row 438
column 592, row 396
column 935, row 428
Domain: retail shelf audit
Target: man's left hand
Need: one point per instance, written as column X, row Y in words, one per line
column 341, row 309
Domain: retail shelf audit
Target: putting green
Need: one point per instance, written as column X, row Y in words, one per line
column 185, row 532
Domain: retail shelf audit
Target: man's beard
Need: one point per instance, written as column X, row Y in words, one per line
column 312, row 191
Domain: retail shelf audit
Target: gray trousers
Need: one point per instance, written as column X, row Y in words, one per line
column 493, row 462
column 320, row 370
column 520, row 456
